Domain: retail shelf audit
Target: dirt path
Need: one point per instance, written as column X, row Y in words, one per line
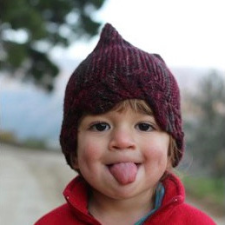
column 31, row 184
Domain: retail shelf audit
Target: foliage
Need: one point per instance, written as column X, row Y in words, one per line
column 31, row 143
column 7, row 137
column 207, row 131
column 208, row 190
column 29, row 29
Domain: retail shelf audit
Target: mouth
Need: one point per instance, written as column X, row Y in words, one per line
column 111, row 164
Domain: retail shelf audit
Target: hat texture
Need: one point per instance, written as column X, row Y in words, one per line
column 115, row 71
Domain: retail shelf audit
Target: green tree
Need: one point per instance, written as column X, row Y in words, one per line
column 207, row 141
column 29, row 29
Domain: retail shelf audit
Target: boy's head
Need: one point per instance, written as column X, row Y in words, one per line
column 116, row 71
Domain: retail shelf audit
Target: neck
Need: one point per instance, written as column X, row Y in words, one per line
column 120, row 211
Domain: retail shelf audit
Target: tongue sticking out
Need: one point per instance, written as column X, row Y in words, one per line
column 124, row 173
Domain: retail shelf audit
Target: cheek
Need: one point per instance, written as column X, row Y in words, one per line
column 88, row 150
column 156, row 150
column 156, row 155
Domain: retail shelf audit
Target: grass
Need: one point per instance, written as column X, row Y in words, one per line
column 209, row 190
column 11, row 139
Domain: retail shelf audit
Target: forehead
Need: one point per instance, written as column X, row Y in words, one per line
column 126, row 106
column 139, row 106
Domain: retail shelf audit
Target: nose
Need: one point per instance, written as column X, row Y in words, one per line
column 122, row 139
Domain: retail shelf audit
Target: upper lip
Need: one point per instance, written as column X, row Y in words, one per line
column 115, row 162
column 123, row 158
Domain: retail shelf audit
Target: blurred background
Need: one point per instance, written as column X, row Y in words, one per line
column 42, row 42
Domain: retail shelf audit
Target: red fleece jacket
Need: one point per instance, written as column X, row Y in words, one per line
column 173, row 210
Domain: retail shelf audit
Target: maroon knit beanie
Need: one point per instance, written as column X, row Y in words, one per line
column 116, row 71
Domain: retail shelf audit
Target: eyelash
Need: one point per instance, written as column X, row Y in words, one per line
column 94, row 125
column 149, row 127
column 103, row 126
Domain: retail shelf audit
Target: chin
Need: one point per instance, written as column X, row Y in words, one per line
column 124, row 191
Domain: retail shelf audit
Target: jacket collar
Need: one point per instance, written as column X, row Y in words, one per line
column 77, row 195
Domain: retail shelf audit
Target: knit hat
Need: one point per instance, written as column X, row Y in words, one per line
column 116, row 71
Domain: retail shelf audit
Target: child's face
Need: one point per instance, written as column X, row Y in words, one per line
column 122, row 154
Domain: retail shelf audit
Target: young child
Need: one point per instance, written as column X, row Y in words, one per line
column 122, row 132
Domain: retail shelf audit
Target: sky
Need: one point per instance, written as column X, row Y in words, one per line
column 188, row 33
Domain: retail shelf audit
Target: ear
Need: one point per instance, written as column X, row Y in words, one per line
column 169, row 165
column 74, row 162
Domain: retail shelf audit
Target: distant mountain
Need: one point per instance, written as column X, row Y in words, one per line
column 30, row 114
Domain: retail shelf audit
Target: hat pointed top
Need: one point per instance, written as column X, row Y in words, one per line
column 110, row 35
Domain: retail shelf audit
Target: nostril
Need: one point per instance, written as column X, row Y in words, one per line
column 122, row 144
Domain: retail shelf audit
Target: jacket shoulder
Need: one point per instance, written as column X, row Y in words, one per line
column 187, row 214
column 60, row 216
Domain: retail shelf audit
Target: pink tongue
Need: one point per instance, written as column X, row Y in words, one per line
column 124, row 173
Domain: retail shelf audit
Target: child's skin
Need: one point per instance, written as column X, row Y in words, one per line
column 114, row 138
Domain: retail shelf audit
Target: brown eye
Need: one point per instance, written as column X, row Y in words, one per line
column 144, row 127
column 100, row 126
